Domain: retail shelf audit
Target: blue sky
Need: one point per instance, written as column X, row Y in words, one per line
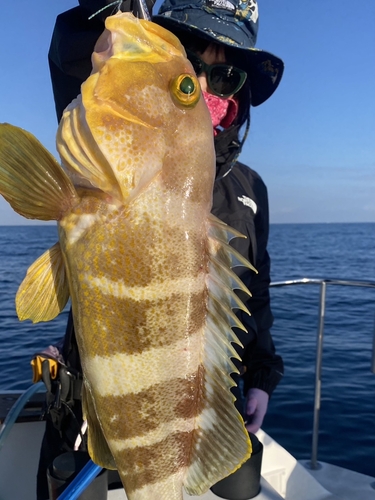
column 313, row 142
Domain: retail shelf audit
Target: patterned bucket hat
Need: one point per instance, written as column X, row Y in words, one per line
column 229, row 22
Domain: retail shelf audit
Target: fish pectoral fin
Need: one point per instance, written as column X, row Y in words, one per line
column 220, row 443
column 31, row 179
column 44, row 292
column 97, row 444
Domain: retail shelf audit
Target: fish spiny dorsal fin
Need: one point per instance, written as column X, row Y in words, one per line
column 227, row 276
column 220, row 235
column 31, row 180
column 221, row 442
column 224, row 314
column 222, row 292
column 44, row 292
column 221, row 231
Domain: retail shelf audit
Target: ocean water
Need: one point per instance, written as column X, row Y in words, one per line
column 347, row 415
column 342, row 251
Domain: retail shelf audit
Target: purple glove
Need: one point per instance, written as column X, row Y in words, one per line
column 255, row 409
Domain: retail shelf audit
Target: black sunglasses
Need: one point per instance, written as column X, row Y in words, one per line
column 224, row 80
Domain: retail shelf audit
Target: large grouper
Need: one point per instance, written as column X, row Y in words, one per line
column 146, row 266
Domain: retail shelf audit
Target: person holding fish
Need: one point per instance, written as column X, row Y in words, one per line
column 219, row 37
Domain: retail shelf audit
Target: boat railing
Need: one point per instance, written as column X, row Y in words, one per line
column 323, row 283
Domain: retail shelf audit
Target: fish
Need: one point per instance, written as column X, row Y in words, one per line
column 147, row 268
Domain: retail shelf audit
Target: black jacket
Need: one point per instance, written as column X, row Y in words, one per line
column 240, row 196
column 240, row 199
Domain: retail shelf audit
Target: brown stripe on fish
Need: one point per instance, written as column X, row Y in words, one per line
column 146, row 465
column 152, row 366
column 131, row 326
column 146, row 411
column 173, row 253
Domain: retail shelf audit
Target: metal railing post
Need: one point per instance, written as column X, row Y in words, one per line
column 313, row 463
column 318, row 376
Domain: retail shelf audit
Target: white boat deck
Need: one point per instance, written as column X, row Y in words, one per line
column 346, row 484
column 293, row 481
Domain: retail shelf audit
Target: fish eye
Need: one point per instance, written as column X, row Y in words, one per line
column 185, row 90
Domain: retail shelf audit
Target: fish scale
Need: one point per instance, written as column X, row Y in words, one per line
column 146, row 266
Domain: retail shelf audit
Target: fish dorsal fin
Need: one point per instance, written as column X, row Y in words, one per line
column 221, row 442
column 97, row 445
column 44, row 292
column 31, row 179
column 221, row 231
column 220, row 234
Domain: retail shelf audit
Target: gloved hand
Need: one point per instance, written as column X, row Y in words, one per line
column 255, row 409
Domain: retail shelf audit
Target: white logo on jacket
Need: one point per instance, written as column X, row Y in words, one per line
column 248, row 202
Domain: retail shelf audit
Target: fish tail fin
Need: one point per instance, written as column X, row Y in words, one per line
column 221, row 442
column 31, row 179
column 44, row 292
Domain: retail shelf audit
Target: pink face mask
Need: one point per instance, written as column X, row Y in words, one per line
column 223, row 111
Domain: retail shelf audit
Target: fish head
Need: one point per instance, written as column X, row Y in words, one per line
column 140, row 114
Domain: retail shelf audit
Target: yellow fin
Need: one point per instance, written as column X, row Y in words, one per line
column 97, row 444
column 31, row 180
column 80, row 152
column 44, row 292
column 221, row 231
column 227, row 276
column 224, row 314
column 220, row 235
column 222, row 293
column 221, row 442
